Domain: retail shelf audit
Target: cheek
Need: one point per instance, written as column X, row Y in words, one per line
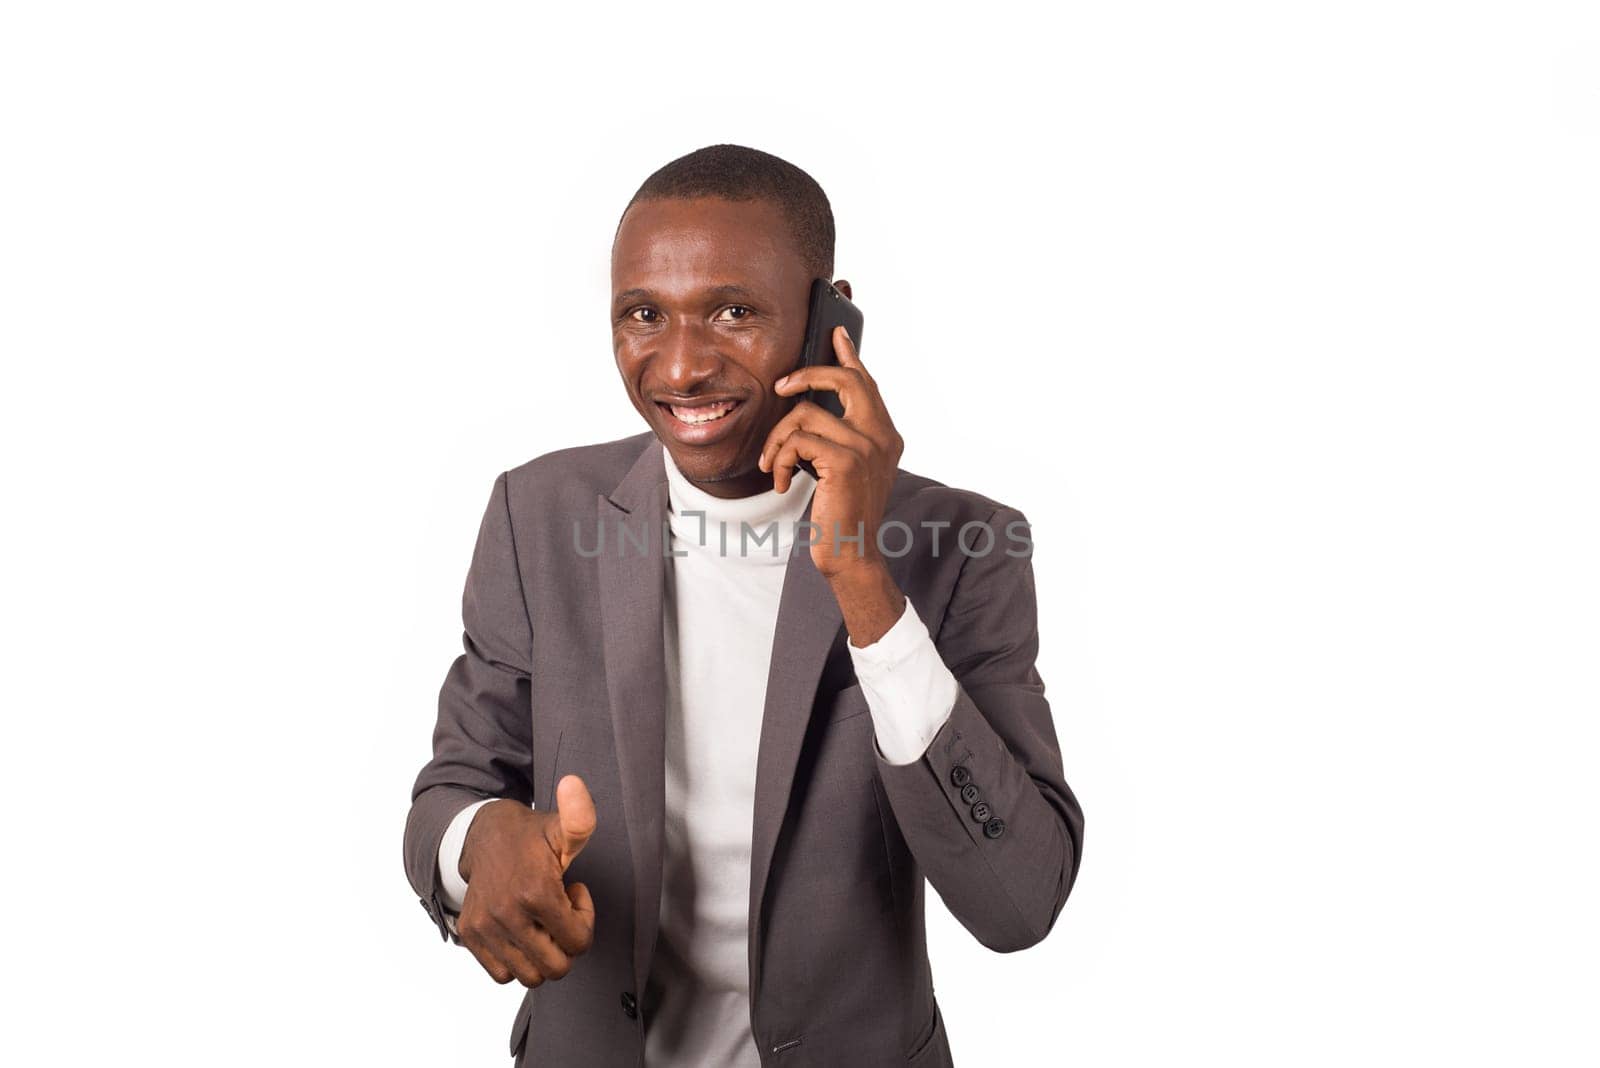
column 766, row 359
column 628, row 359
column 772, row 414
column 631, row 371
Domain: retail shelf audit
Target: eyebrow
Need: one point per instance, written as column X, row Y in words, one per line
column 728, row 291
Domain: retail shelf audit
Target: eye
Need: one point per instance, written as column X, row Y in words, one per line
column 645, row 315
column 745, row 313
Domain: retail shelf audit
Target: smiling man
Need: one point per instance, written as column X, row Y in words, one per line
column 717, row 719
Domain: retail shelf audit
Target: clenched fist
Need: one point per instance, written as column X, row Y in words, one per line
column 519, row 918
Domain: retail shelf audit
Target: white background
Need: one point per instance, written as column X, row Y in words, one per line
column 1279, row 322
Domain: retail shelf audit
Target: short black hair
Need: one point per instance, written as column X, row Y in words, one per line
column 734, row 172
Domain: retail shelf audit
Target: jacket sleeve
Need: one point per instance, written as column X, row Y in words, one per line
column 483, row 739
column 986, row 811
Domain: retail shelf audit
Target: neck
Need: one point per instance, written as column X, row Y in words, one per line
column 703, row 518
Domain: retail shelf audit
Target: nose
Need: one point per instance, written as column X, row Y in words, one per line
column 686, row 358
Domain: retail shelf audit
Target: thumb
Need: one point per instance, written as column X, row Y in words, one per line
column 575, row 819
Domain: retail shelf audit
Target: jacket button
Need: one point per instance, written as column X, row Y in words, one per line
column 630, row 1006
column 995, row 827
column 438, row 920
column 981, row 812
column 969, row 793
column 960, row 776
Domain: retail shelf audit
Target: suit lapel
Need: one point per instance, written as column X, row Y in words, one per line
column 809, row 625
column 631, row 593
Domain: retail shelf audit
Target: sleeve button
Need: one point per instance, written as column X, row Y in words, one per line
column 995, row 827
column 960, row 776
column 981, row 812
column 969, row 793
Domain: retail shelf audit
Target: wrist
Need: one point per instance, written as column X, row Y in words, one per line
column 865, row 574
column 869, row 600
column 480, row 829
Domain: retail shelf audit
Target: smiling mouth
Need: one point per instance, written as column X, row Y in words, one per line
column 699, row 415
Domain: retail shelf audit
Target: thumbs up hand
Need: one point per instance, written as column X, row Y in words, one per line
column 519, row 919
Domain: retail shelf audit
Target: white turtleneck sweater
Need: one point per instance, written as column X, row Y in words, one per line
column 720, row 614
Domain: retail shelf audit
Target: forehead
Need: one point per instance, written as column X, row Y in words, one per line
column 675, row 244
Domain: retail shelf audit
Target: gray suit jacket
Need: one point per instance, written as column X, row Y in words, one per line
column 563, row 672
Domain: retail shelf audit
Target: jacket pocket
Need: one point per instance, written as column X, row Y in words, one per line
column 847, row 704
column 548, row 802
column 519, row 1026
column 923, row 1053
column 888, row 846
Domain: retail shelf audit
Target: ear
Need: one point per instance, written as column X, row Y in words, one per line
column 844, row 287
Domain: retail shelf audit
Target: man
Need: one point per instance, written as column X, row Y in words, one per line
column 687, row 779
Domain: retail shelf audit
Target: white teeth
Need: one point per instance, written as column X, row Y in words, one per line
column 708, row 413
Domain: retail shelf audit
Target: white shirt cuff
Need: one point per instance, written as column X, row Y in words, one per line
column 452, row 887
column 909, row 690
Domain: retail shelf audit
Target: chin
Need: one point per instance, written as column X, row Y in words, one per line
column 710, row 466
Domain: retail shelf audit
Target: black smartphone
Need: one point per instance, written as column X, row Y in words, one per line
column 828, row 308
